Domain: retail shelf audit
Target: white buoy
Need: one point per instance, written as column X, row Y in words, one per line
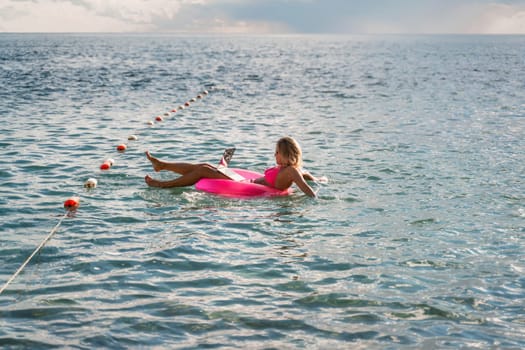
column 133, row 137
column 91, row 183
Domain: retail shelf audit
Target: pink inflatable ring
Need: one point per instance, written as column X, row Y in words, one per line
column 240, row 189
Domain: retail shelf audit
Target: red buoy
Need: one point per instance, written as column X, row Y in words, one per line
column 108, row 163
column 159, row 118
column 173, row 110
column 187, row 104
column 72, row 203
column 121, row 147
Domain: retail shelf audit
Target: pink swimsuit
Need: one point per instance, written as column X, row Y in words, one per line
column 270, row 175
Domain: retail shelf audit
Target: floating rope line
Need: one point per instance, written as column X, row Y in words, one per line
column 121, row 148
column 72, row 203
column 40, row 246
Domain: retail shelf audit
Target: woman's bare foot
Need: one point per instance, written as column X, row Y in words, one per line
column 157, row 164
column 152, row 182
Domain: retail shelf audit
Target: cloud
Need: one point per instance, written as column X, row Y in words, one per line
column 357, row 16
column 128, row 16
column 56, row 16
column 219, row 16
column 443, row 17
column 413, row 16
column 499, row 19
column 135, row 12
column 264, row 16
column 85, row 15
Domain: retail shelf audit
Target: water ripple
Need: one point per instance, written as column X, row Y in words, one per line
column 415, row 241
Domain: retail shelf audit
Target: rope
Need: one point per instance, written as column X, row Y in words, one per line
column 40, row 246
column 73, row 203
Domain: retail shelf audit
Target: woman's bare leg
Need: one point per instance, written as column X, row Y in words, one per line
column 179, row 168
column 189, row 178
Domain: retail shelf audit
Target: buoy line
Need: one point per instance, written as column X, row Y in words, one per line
column 72, row 203
column 40, row 246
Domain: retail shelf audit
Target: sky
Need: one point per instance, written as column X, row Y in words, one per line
column 266, row 16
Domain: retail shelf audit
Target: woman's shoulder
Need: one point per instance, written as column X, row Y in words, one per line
column 291, row 171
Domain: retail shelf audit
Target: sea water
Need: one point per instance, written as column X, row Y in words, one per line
column 416, row 241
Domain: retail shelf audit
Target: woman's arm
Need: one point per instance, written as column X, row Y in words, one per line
column 260, row 181
column 298, row 178
column 309, row 177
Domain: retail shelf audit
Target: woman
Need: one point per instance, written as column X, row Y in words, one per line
column 288, row 156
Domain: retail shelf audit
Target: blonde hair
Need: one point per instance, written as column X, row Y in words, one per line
column 290, row 151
